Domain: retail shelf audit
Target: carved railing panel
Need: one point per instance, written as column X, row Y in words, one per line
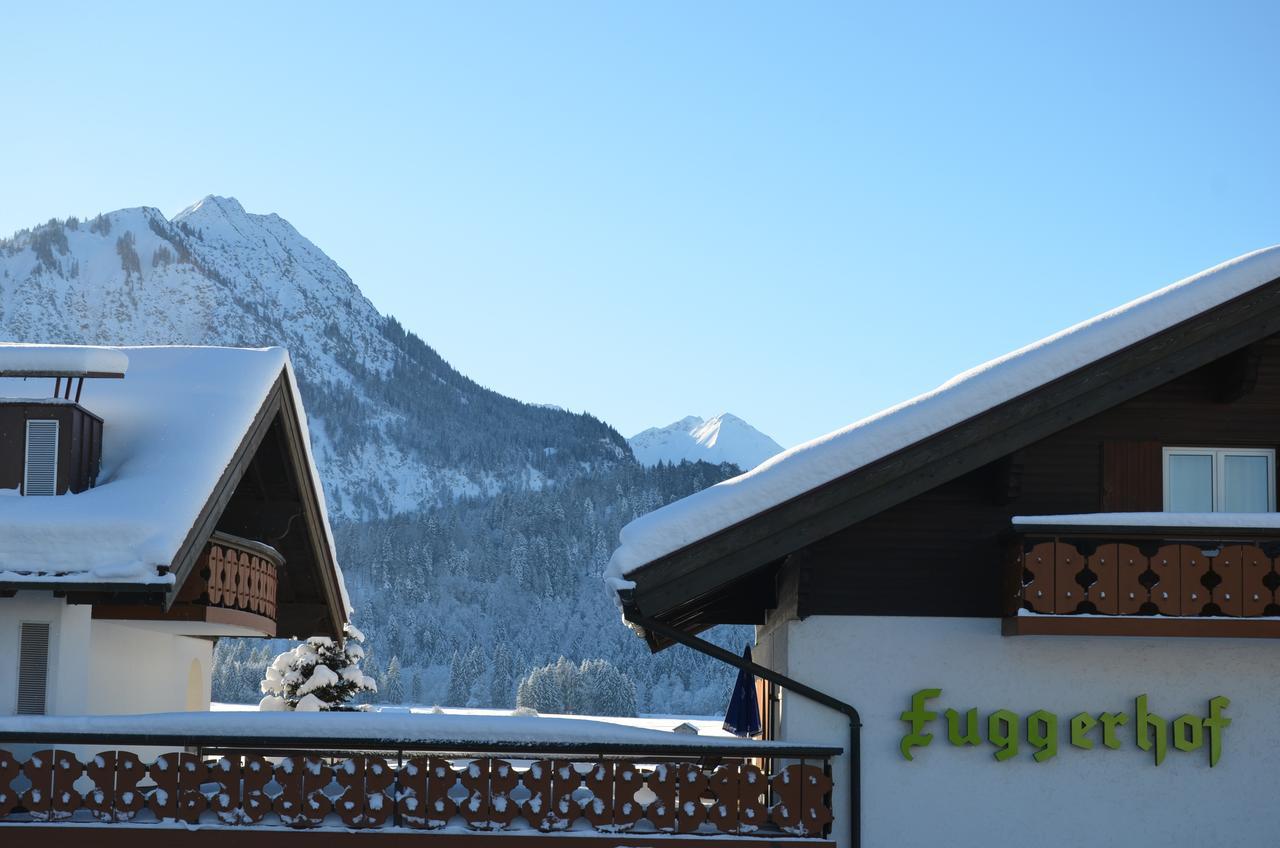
column 238, row 577
column 1100, row 576
column 365, row 791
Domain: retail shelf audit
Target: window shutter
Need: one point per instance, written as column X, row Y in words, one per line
column 1132, row 477
column 33, row 668
column 41, row 477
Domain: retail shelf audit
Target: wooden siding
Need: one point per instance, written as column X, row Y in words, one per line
column 79, row 443
column 941, row 553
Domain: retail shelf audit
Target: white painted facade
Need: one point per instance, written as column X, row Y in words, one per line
column 952, row 795
column 105, row 667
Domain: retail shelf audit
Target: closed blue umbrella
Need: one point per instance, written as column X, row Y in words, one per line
column 743, row 716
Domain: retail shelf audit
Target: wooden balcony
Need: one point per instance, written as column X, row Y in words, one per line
column 258, row 789
column 1143, row 581
column 234, row 585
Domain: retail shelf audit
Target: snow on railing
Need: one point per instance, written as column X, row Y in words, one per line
column 641, row 781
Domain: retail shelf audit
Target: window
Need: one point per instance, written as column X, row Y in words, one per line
column 33, row 668
column 41, row 474
column 1219, row 480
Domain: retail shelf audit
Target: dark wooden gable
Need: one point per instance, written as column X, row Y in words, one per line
column 267, row 494
column 872, row 532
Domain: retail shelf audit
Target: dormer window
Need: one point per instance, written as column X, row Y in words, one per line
column 40, row 476
column 1219, row 480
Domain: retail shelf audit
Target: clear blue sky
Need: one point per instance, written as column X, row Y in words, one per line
column 796, row 212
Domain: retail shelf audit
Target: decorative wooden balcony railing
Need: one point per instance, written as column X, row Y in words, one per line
column 712, row 788
column 1176, row 581
column 233, row 586
column 235, row 574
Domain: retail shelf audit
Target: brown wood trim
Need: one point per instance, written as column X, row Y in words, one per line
column 321, row 543
column 1074, row 625
column 54, row 835
column 187, row 612
column 686, row 576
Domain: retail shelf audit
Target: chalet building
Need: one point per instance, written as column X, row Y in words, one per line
column 156, row 498
column 1037, row 602
column 152, row 499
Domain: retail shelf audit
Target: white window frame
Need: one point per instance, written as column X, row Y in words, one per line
column 1218, row 455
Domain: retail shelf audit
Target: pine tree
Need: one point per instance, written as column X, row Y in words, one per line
column 474, row 671
column 393, row 687
column 459, row 684
column 317, row 675
column 503, row 680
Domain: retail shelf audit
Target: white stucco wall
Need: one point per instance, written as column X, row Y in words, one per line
column 953, row 795
column 68, row 650
column 136, row 669
column 103, row 666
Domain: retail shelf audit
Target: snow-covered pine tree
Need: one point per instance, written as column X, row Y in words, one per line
column 503, row 680
column 459, row 683
column 393, row 686
column 317, row 675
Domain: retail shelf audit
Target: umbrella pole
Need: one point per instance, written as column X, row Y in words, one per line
column 702, row 646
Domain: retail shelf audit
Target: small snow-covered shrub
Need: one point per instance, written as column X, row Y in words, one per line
column 317, row 675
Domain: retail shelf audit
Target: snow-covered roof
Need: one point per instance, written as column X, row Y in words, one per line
column 63, row 360
column 171, row 428
column 810, row 465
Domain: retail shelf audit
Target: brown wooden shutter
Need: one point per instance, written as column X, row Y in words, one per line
column 1132, row 477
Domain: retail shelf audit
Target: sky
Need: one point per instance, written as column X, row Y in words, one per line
column 799, row 213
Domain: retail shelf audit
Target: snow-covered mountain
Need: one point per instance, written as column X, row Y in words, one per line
column 394, row 424
column 465, row 520
column 724, row 438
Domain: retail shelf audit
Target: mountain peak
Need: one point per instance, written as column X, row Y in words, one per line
column 224, row 206
column 721, row 438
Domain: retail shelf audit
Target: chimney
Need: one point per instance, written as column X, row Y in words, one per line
column 51, row 444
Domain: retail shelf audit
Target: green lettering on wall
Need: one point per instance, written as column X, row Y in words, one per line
column 1081, row 724
column 1147, row 726
column 1215, row 724
column 1002, row 731
column 971, row 735
column 1188, row 733
column 917, row 717
column 1110, row 721
column 1042, row 733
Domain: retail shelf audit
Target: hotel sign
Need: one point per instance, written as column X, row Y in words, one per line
column 1042, row 730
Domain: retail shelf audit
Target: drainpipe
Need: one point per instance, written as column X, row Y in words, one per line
column 702, row 646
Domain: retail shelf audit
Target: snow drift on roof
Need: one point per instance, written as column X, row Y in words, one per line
column 171, row 428
column 828, row 457
column 61, row 359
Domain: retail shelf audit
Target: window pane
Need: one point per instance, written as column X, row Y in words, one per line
column 1245, row 483
column 1190, row 483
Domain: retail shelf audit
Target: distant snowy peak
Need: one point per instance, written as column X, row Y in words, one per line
column 724, row 438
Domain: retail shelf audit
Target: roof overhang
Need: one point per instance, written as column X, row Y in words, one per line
column 685, row 586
